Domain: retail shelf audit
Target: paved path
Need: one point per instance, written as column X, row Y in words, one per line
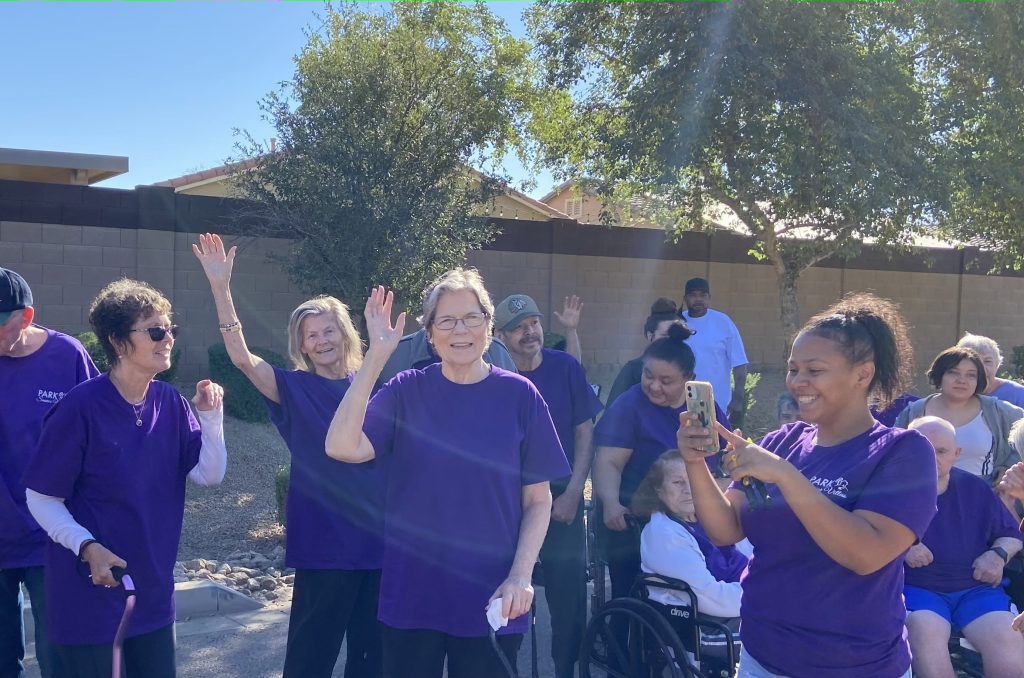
column 252, row 645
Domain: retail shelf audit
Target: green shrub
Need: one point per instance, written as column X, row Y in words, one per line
column 281, row 491
column 241, row 399
column 1018, row 362
column 99, row 358
column 554, row 340
column 753, row 379
column 95, row 351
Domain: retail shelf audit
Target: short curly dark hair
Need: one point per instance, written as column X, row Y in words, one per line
column 120, row 305
column 952, row 357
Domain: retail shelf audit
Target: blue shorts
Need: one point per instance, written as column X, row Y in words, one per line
column 959, row 608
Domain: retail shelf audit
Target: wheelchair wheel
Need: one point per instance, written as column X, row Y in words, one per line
column 629, row 639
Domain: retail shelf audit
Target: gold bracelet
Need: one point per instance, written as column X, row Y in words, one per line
column 231, row 327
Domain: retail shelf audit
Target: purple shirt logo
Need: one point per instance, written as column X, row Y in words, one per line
column 833, row 488
column 49, row 397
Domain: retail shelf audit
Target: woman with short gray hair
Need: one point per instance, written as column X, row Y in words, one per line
column 992, row 359
column 334, row 511
column 471, row 450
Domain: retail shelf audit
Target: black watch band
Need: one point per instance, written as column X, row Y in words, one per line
column 85, row 545
column 999, row 551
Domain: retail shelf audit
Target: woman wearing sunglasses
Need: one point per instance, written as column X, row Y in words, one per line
column 333, row 517
column 107, row 483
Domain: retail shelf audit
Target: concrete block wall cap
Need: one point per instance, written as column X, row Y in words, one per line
column 206, row 598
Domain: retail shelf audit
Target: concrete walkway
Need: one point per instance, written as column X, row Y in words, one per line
column 252, row 645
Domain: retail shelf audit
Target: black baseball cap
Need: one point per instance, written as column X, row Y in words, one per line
column 15, row 294
column 697, row 285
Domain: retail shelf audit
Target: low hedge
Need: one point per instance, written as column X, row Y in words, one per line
column 241, row 399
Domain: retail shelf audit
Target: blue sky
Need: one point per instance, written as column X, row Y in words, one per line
column 161, row 83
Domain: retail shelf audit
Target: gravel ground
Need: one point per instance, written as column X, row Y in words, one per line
column 240, row 514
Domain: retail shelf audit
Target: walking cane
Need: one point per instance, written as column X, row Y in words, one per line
column 121, row 575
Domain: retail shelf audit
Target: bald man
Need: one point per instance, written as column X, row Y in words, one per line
column 953, row 576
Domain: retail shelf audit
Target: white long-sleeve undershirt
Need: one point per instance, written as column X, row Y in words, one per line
column 53, row 516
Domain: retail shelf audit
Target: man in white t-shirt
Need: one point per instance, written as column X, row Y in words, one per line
column 718, row 348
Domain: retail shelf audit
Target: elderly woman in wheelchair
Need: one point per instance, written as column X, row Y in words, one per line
column 671, row 548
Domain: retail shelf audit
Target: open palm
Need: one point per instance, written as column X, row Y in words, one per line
column 216, row 263
column 384, row 336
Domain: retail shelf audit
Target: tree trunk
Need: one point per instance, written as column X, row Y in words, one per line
column 789, row 310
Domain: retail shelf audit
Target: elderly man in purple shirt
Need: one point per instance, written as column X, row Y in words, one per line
column 37, row 367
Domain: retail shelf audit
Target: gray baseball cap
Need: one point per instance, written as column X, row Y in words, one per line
column 514, row 310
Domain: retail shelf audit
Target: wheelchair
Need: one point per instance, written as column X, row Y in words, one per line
column 636, row 637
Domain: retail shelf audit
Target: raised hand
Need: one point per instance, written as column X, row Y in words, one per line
column 216, row 263
column 571, row 310
column 384, row 336
column 209, row 396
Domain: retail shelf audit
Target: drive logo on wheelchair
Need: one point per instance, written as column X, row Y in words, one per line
column 683, row 612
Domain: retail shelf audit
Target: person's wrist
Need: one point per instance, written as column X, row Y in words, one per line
column 1001, row 552
column 83, row 549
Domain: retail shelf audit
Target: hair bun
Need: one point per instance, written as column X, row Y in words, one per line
column 678, row 332
column 664, row 305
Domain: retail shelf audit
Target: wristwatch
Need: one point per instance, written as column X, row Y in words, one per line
column 999, row 551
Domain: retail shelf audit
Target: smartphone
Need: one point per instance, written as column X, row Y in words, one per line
column 700, row 400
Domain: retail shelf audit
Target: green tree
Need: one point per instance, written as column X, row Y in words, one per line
column 808, row 123
column 971, row 58
column 377, row 131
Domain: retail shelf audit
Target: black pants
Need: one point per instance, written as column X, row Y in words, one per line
column 563, row 559
column 420, row 653
column 327, row 605
column 147, row 656
column 12, row 630
column 622, row 551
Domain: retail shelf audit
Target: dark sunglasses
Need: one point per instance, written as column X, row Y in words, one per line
column 158, row 333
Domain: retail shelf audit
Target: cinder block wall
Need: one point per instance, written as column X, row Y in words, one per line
column 67, row 252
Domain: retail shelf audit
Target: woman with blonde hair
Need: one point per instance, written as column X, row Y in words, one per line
column 471, row 450
column 334, row 511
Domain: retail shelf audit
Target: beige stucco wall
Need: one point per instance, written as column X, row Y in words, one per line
column 67, row 265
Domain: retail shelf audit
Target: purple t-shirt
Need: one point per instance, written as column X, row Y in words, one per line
column 126, row 485
column 970, row 518
column 803, row 614
column 1011, row 392
column 30, row 386
column 334, row 512
column 635, row 423
column 887, row 417
column 562, row 382
column 458, row 458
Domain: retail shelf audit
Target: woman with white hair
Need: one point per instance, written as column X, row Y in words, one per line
column 992, row 359
column 471, row 451
column 334, row 511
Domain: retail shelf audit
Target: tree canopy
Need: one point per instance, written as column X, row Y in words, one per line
column 377, row 130
column 802, row 120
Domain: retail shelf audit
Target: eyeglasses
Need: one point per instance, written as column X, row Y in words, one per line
column 469, row 320
column 158, row 333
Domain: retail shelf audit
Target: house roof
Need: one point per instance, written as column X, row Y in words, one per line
column 50, row 167
column 206, row 176
column 223, row 172
column 558, row 190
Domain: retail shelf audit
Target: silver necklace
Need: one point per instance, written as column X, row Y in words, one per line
column 137, row 411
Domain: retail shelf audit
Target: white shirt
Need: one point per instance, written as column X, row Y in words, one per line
column 975, row 440
column 666, row 548
column 718, row 348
